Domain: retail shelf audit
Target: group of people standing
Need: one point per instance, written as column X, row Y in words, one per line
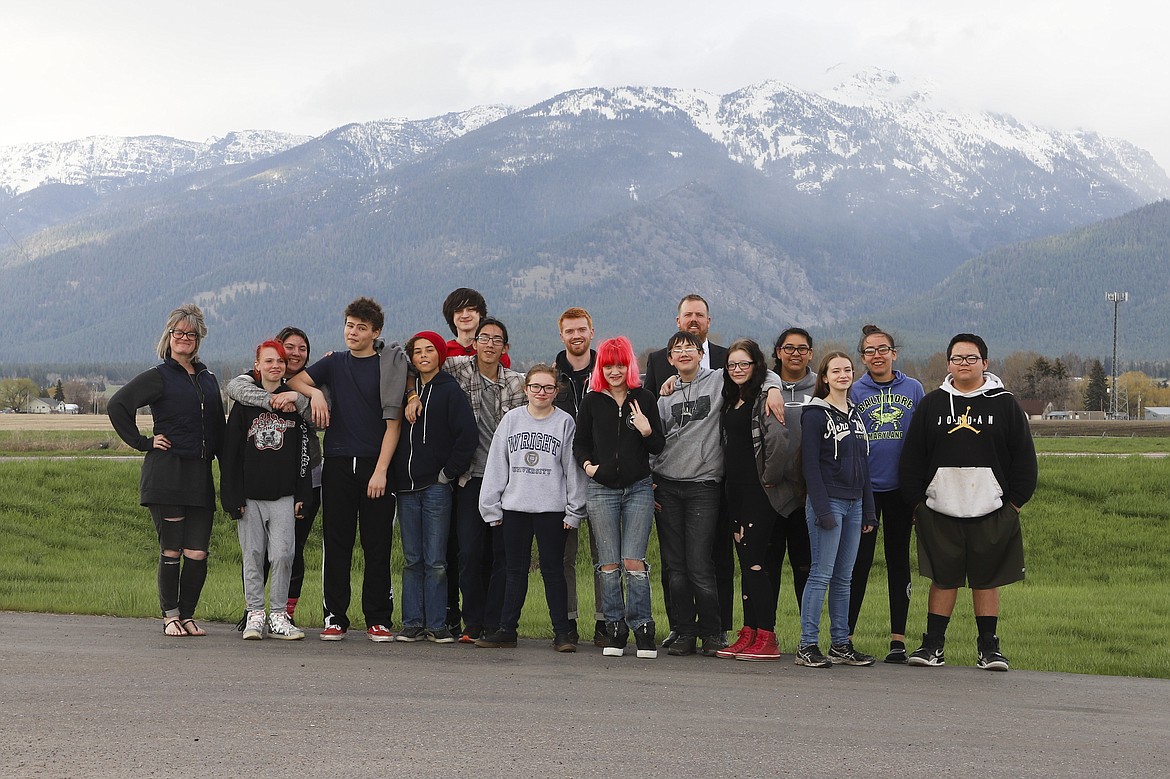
column 712, row 448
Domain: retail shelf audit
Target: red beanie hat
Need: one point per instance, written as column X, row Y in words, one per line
column 437, row 340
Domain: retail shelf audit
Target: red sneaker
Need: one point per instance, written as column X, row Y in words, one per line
column 379, row 633
column 332, row 633
column 763, row 648
column 746, row 637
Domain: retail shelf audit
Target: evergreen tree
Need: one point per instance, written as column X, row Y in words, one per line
column 1097, row 388
column 59, row 392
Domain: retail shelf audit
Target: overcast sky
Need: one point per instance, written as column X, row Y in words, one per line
column 195, row 70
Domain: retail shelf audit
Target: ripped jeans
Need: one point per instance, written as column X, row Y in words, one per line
column 621, row 520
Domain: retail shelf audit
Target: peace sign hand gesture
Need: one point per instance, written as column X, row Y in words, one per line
column 639, row 420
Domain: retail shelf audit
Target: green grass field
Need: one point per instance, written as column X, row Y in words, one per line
column 1097, row 598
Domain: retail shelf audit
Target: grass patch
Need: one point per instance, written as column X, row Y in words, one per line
column 1101, row 444
column 1096, row 600
column 59, row 442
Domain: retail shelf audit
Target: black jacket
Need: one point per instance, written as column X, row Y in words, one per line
column 576, row 383
column 441, row 442
column 606, row 437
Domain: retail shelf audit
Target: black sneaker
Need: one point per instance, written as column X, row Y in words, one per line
column 441, row 636
column 411, row 633
column 897, row 655
column 599, row 634
column 644, row 638
column 712, row 644
column 930, row 653
column 990, row 658
column 671, row 637
column 845, row 654
column 681, row 646
column 811, row 656
column 617, row 635
column 562, row 642
column 497, row 639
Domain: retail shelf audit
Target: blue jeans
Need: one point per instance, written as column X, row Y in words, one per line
column 833, row 554
column 621, row 519
column 686, row 535
column 424, row 519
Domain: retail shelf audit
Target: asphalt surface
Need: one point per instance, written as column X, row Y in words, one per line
column 106, row 697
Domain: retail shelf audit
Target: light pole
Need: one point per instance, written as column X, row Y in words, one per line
column 1116, row 298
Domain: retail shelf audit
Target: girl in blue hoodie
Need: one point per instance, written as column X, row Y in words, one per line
column 834, row 452
column 886, row 399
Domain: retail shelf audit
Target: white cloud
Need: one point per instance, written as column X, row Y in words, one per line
column 74, row 68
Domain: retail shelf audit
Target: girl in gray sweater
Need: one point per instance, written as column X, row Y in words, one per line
column 533, row 487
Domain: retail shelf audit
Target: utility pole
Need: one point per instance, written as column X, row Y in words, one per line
column 1116, row 298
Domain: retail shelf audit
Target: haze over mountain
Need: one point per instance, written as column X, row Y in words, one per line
column 780, row 206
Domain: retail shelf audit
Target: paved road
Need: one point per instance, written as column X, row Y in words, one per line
column 105, row 697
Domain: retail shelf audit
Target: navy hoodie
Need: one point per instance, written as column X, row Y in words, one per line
column 835, row 455
column 439, row 446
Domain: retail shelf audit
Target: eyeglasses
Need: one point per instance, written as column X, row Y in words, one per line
column 684, row 350
column 494, row 340
column 545, row 389
column 964, row 359
column 870, row 351
column 740, row 366
column 182, row 335
column 790, row 349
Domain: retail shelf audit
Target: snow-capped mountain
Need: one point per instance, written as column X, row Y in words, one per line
column 106, row 163
column 778, row 204
column 873, row 124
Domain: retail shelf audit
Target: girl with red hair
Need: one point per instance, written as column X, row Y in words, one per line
column 613, row 444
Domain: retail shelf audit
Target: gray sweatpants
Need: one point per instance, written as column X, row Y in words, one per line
column 267, row 528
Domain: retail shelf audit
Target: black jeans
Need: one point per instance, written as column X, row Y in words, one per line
column 754, row 519
column 481, row 561
column 790, row 533
column 894, row 513
column 348, row 511
column 686, row 534
column 549, row 529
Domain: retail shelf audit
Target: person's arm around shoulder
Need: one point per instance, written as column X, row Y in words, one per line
column 775, row 394
column 775, row 446
column 304, row 384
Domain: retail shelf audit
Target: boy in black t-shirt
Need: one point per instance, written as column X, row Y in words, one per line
column 362, row 421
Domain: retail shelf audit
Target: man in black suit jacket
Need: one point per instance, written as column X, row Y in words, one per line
column 694, row 316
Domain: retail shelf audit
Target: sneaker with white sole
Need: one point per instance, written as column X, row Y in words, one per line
column 929, row 654
column 379, row 633
column 811, row 656
column 282, row 627
column 411, row 633
column 254, row 625
column 990, row 658
column 845, row 654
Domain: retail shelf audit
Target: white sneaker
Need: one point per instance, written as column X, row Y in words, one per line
column 254, row 627
column 280, row 626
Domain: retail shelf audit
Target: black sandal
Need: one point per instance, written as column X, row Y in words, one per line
column 167, row 623
column 194, row 629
